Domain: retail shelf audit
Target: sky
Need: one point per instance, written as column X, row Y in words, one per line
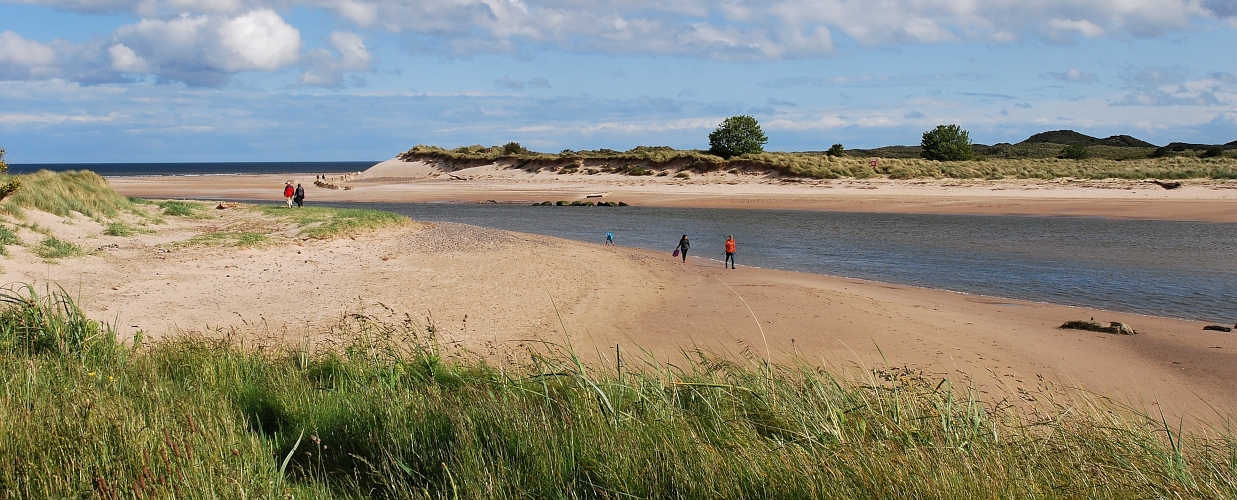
column 322, row 80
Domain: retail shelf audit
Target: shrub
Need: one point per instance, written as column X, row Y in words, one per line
column 1076, row 151
column 7, row 184
column 737, row 135
column 946, row 143
column 514, row 148
column 835, row 150
column 1213, row 152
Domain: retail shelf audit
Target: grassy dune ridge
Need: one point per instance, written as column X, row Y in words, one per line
column 90, row 195
column 383, row 410
column 1109, row 163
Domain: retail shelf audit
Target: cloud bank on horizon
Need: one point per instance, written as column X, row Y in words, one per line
column 173, row 80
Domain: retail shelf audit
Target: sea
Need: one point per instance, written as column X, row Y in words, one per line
column 1179, row 269
column 198, row 168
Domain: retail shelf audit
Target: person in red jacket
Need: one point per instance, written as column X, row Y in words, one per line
column 288, row 192
column 729, row 252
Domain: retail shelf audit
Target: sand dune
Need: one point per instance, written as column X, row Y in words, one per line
column 397, row 181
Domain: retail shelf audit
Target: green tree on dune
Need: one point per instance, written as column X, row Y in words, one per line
column 946, row 143
column 737, row 135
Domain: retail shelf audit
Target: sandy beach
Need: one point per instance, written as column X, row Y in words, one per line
column 397, row 181
column 495, row 292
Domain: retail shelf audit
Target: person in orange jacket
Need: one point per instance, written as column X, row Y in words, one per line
column 729, row 252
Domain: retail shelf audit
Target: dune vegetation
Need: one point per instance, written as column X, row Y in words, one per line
column 73, row 193
column 383, row 410
column 1018, row 161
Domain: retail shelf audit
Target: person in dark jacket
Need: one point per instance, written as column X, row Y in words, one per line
column 299, row 196
column 683, row 246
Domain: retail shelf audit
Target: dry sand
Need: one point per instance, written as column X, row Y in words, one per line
column 397, row 181
column 492, row 290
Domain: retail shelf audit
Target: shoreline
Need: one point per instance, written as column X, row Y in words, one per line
column 1205, row 201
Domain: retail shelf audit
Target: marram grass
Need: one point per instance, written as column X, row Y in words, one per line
column 386, row 413
column 1039, row 162
column 62, row 193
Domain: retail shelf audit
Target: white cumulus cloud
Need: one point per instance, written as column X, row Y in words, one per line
column 259, row 40
column 207, row 50
column 21, row 58
column 326, row 69
column 125, row 60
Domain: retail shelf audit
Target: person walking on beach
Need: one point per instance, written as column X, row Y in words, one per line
column 729, row 252
column 288, row 192
column 683, row 246
column 299, row 196
column 610, row 239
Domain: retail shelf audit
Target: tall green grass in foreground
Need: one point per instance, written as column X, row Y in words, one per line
column 385, row 413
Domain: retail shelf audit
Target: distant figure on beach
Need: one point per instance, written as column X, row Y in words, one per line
column 288, row 192
column 683, row 246
column 610, row 239
column 299, row 196
column 729, row 252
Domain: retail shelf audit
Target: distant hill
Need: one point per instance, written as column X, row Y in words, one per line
column 1072, row 137
column 1184, row 146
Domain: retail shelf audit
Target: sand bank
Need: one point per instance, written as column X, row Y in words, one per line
column 395, row 181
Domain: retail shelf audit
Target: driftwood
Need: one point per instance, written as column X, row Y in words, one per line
column 1168, row 185
column 1094, row 326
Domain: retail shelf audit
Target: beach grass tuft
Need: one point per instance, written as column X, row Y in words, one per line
column 56, row 248
column 181, row 208
column 323, row 222
column 7, row 237
column 118, row 229
column 384, row 410
column 243, row 239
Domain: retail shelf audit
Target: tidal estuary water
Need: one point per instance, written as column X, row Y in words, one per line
column 1163, row 268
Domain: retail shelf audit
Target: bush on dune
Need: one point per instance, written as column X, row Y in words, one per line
column 389, row 413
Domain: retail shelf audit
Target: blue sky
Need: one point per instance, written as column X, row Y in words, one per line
column 304, row 80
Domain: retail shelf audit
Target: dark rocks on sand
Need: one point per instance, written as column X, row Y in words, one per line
column 1095, row 326
column 1218, row 328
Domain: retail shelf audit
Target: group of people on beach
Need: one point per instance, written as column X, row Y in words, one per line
column 685, row 244
column 294, row 195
